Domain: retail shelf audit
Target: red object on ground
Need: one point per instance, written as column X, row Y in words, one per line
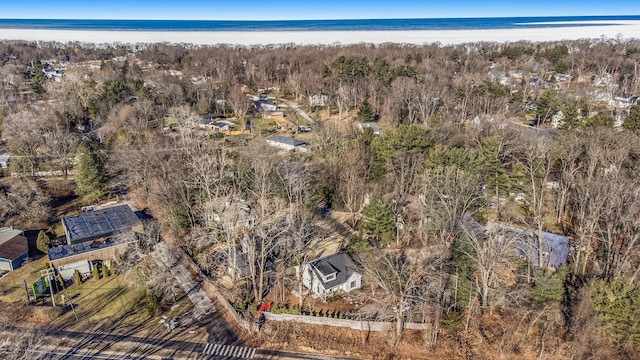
column 265, row 307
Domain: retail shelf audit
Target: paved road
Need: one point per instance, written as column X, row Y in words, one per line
column 297, row 109
column 71, row 345
column 104, row 344
column 166, row 260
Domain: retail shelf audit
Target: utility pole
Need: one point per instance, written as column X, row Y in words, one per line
column 71, row 303
column 49, row 274
column 24, row 282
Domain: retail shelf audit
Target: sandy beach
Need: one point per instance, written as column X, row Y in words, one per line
column 624, row 29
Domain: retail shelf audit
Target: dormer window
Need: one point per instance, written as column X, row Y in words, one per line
column 329, row 277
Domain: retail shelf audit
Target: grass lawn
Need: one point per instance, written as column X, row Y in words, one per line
column 112, row 302
column 107, row 300
column 11, row 286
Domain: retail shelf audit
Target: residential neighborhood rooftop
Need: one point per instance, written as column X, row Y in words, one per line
column 99, row 223
column 63, row 251
column 287, row 140
column 12, row 244
column 7, row 233
column 340, row 264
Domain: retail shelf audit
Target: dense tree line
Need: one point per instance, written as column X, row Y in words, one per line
column 426, row 199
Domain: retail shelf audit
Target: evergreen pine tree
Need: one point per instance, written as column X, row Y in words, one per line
column 618, row 308
column 632, row 122
column 571, row 117
column 366, row 113
column 494, row 173
column 463, row 267
column 603, row 119
column 89, row 175
column 549, row 286
column 105, row 270
column 37, row 82
column 546, row 105
column 378, row 219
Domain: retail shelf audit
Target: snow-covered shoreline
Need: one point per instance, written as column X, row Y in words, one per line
column 592, row 30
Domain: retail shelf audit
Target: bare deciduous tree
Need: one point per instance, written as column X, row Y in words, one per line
column 448, row 197
column 261, row 243
column 535, row 159
column 239, row 103
column 24, row 201
column 399, row 279
column 352, row 183
column 492, row 249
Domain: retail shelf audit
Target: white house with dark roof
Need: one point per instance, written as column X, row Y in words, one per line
column 287, row 143
column 330, row 274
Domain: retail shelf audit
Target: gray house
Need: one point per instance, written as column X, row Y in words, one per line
column 330, row 274
column 287, row 143
column 14, row 248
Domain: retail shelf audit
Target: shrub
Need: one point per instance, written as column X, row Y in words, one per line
column 60, row 281
column 96, row 273
column 76, row 277
column 452, row 322
column 43, row 242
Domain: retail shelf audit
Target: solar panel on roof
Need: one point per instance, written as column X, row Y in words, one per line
column 97, row 223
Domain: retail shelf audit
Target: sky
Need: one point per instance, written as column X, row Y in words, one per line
column 305, row 9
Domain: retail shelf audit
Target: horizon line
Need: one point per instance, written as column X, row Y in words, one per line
column 328, row 19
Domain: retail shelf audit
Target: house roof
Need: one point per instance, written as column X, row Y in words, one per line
column 211, row 116
column 287, row 140
column 7, row 234
column 12, row 244
column 103, row 222
column 340, row 263
column 555, row 247
column 324, row 267
column 63, row 251
column 5, row 157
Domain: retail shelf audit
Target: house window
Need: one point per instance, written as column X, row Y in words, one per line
column 353, row 284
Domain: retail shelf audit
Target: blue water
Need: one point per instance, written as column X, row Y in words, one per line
column 307, row 25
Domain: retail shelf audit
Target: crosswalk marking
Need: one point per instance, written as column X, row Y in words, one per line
column 240, row 352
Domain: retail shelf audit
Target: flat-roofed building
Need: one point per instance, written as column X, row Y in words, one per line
column 14, row 248
column 90, row 251
column 101, row 223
